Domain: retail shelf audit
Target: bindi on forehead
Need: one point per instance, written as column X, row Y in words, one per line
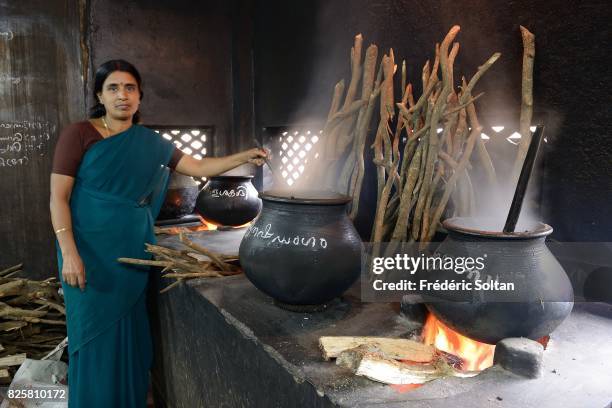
column 120, row 78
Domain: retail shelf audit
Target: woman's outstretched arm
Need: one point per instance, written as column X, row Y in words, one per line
column 212, row 166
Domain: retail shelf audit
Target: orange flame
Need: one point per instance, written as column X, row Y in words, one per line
column 476, row 356
column 206, row 226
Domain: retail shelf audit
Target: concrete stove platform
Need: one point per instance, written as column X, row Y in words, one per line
column 222, row 343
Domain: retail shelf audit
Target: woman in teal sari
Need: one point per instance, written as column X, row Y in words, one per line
column 108, row 180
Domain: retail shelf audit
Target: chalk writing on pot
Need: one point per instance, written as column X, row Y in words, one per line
column 265, row 233
column 240, row 191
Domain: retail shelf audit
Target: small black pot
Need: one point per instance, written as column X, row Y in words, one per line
column 180, row 198
column 229, row 201
column 543, row 295
column 302, row 249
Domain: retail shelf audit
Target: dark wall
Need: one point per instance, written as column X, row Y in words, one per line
column 302, row 49
column 41, row 91
column 185, row 53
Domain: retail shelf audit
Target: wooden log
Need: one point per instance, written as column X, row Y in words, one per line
column 335, row 105
column 19, row 300
column 36, row 320
column 381, row 369
column 204, row 274
column 5, row 376
column 41, row 289
column 362, row 131
column 368, row 82
column 172, row 285
column 7, row 311
column 526, row 101
column 146, row 262
column 450, row 185
column 11, row 269
column 213, row 256
column 351, row 358
column 446, row 66
column 12, row 288
column 10, row 326
column 467, row 90
column 14, row 360
column 52, row 305
column 400, row 349
column 355, row 71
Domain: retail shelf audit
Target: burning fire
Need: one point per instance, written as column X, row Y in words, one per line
column 206, row 226
column 477, row 356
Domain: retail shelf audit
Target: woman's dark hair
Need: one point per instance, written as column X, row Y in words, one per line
column 102, row 73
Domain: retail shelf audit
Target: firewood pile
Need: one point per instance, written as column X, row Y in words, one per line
column 33, row 319
column 196, row 262
column 424, row 163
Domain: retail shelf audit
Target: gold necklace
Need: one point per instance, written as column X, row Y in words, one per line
column 106, row 126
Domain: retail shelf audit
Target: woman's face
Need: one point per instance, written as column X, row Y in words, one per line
column 120, row 95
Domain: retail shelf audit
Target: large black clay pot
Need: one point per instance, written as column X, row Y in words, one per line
column 542, row 297
column 229, row 201
column 302, row 249
column 180, row 198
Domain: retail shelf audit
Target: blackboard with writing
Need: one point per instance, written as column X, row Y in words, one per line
column 41, row 90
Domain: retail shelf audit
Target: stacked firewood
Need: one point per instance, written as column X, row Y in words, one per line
column 392, row 361
column 197, row 262
column 32, row 319
column 439, row 131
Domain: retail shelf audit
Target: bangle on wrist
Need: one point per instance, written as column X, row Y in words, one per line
column 57, row 231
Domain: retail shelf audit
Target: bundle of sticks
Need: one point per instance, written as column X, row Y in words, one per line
column 196, row 262
column 440, row 131
column 32, row 319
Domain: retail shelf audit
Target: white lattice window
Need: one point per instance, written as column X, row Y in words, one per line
column 296, row 152
column 195, row 141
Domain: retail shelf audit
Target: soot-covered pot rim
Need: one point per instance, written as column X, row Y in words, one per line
column 313, row 197
column 465, row 226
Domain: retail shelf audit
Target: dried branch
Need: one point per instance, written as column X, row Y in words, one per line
column 526, row 100
column 213, row 256
column 11, row 269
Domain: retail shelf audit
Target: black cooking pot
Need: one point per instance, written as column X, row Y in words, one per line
column 302, row 249
column 228, row 201
column 180, row 198
column 542, row 297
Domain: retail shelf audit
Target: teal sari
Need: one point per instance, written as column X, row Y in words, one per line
column 117, row 194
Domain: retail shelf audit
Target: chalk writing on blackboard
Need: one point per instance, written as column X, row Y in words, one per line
column 21, row 141
column 6, row 35
column 9, row 78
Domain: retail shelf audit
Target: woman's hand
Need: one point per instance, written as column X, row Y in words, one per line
column 73, row 271
column 256, row 156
